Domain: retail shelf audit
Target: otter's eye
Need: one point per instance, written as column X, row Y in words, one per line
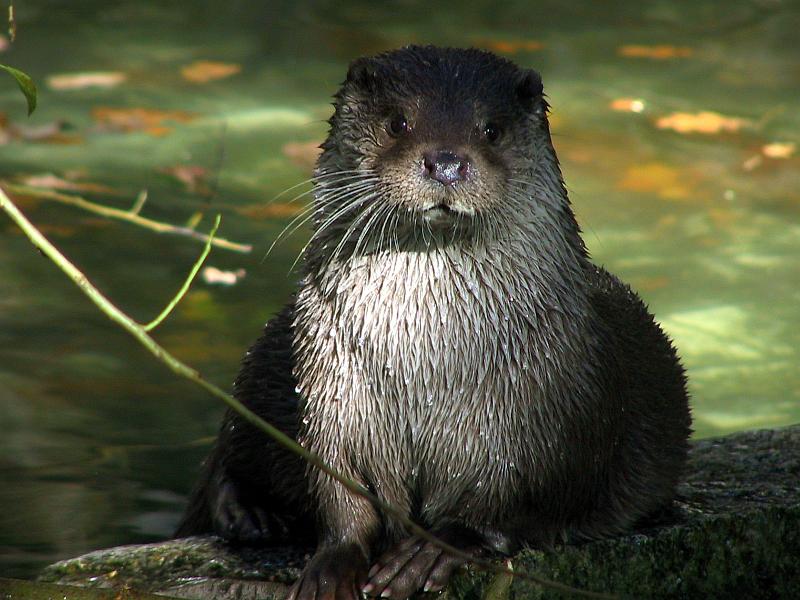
column 491, row 132
column 398, row 125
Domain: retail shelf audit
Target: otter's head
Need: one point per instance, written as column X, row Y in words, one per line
column 434, row 143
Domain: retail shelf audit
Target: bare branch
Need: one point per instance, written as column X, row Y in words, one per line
column 131, row 215
column 185, row 287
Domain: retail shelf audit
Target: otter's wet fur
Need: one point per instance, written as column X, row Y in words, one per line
column 450, row 346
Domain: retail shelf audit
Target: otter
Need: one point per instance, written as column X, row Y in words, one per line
column 450, row 346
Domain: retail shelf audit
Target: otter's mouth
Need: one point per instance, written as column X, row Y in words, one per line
column 445, row 213
column 442, row 208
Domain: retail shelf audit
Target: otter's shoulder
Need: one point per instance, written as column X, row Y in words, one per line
column 267, row 386
column 266, row 376
column 613, row 299
column 631, row 331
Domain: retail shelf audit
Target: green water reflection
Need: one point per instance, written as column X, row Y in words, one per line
column 100, row 444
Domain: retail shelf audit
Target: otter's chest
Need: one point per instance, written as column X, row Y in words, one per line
column 420, row 365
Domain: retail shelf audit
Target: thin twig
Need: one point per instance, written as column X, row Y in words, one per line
column 139, row 204
column 178, row 367
column 131, row 215
column 185, row 287
column 12, row 23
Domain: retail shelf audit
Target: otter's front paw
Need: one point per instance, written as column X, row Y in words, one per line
column 237, row 521
column 414, row 564
column 335, row 573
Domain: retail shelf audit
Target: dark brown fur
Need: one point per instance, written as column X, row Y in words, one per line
column 450, row 346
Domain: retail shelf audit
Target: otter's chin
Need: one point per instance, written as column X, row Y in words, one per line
column 446, row 215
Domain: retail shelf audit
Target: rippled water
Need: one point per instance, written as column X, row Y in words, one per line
column 100, row 444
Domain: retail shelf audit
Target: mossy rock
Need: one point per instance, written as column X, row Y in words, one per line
column 733, row 532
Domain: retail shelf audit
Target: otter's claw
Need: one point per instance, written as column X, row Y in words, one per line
column 412, row 565
column 331, row 574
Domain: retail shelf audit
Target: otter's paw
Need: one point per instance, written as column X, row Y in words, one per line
column 332, row 574
column 236, row 521
column 412, row 565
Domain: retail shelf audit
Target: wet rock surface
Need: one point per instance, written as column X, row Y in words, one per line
column 733, row 531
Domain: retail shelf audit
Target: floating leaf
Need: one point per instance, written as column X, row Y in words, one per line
column 635, row 105
column 779, row 149
column 751, row 163
column 193, row 177
column 702, row 122
column 511, row 47
column 271, row 210
column 302, row 154
column 149, row 120
column 79, row 81
column 213, row 275
column 25, row 84
column 51, row 132
column 661, row 52
column 203, row 71
column 53, row 182
column 658, row 178
column 44, row 131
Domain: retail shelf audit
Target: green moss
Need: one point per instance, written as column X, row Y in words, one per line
column 734, row 532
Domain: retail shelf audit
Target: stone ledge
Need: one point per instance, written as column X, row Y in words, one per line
column 734, row 533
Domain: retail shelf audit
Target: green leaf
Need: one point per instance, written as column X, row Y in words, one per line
column 25, row 84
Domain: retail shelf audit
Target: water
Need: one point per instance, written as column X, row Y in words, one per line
column 100, row 444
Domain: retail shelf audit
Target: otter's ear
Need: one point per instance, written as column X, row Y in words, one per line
column 529, row 88
column 362, row 73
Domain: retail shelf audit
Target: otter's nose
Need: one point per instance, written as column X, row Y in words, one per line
column 445, row 167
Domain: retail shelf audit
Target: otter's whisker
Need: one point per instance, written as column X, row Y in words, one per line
column 317, row 177
column 396, row 231
column 315, row 208
column 382, row 238
column 317, row 235
column 385, row 209
column 352, row 228
column 356, row 192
